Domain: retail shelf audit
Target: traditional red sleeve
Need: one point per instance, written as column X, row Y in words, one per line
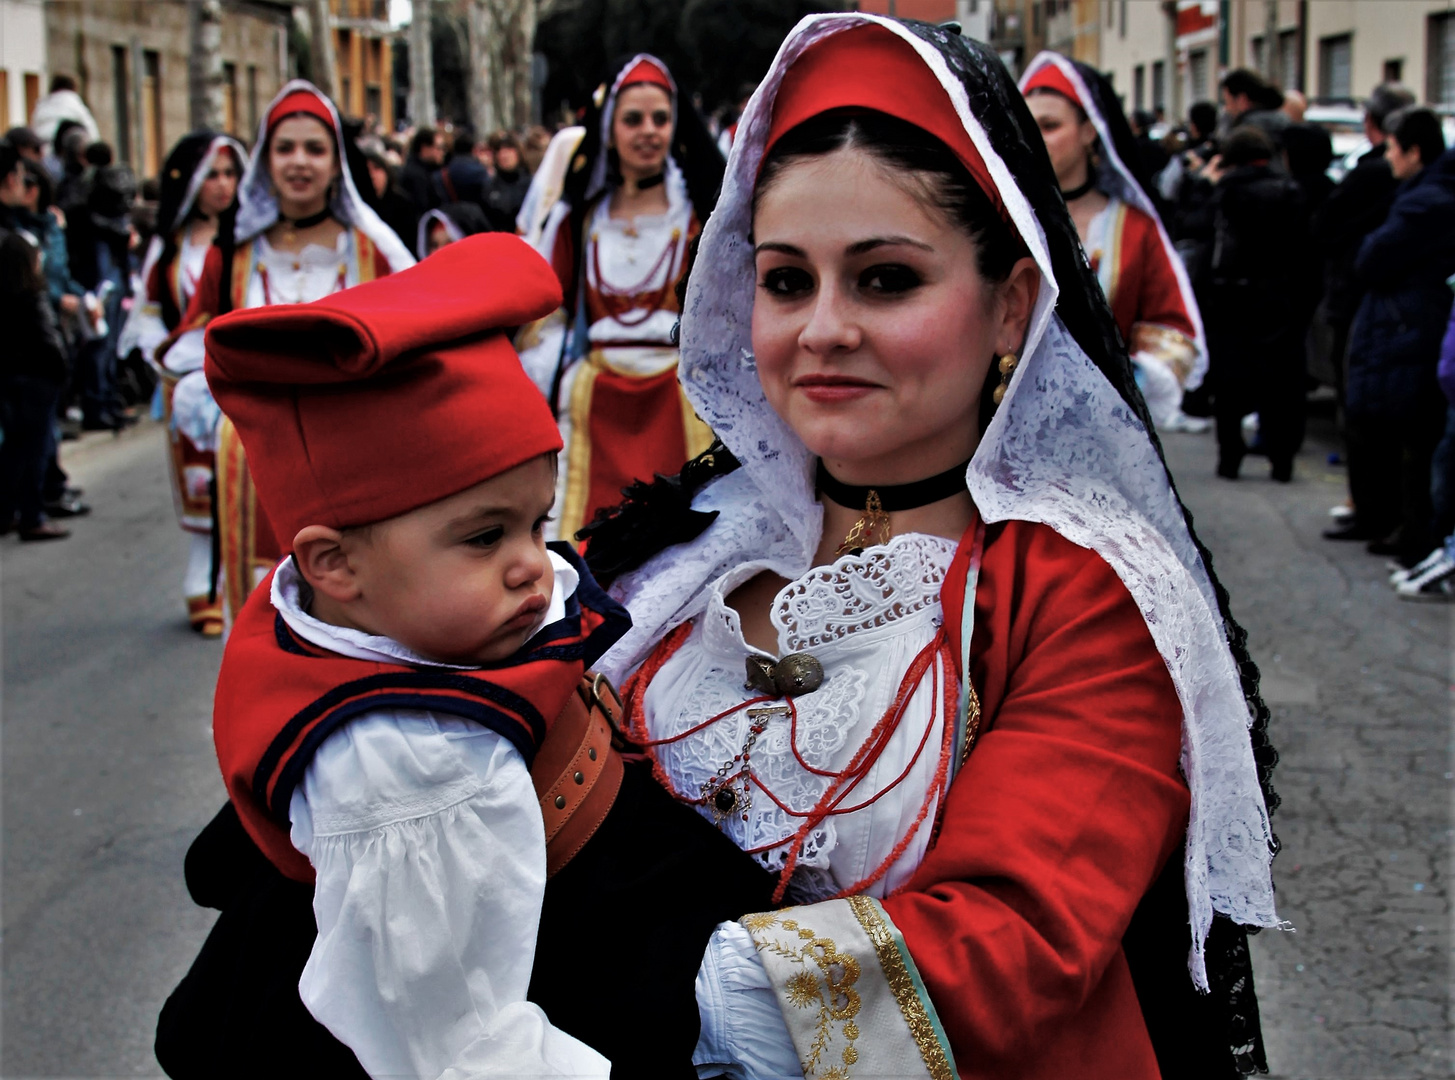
column 205, row 303
column 381, row 264
column 563, row 262
column 1149, row 284
column 1061, row 819
column 154, row 283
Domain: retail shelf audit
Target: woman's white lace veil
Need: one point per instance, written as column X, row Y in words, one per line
column 258, row 207
column 1116, row 179
column 1063, row 449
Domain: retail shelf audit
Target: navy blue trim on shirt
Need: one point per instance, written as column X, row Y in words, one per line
column 377, row 691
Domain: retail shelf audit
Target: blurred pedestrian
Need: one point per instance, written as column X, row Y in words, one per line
column 417, row 178
column 395, row 207
column 1260, row 228
column 63, row 103
column 1251, row 101
column 463, row 178
column 27, row 143
column 32, row 374
column 1396, row 410
column 445, row 224
column 505, row 194
column 1098, row 167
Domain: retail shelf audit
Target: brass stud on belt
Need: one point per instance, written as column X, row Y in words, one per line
column 591, row 753
column 579, row 777
column 560, row 802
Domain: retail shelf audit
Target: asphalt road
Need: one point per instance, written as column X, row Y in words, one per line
column 108, row 773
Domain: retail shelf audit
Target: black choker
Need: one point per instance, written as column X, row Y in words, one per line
column 879, row 502
column 1076, row 193
column 642, row 184
column 306, row 222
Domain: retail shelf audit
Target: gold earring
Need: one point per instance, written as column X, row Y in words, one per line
column 1007, row 367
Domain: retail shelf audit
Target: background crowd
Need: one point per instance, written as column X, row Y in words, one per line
column 1308, row 270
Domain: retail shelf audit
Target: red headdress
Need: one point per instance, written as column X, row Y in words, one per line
column 307, row 102
column 1051, row 77
column 646, row 71
column 392, row 395
column 869, row 67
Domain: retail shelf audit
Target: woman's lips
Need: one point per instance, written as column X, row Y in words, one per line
column 833, row 389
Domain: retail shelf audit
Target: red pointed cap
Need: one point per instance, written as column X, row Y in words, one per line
column 647, row 71
column 870, row 67
column 392, row 395
column 1051, row 77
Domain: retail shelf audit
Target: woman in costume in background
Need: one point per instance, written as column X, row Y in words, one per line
column 640, row 186
column 301, row 232
column 1145, row 283
column 448, row 223
column 993, row 703
column 199, row 187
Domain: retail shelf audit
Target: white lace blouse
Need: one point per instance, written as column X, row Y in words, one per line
column 865, row 618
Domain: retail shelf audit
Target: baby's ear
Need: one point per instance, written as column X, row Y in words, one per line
column 319, row 553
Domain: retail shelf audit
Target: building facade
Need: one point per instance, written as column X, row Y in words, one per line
column 23, row 74
column 129, row 58
column 364, row 59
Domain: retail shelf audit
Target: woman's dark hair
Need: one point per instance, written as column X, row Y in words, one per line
column 1417, row 127
column 45, row 190
column 1308, row 148
column 903, row 146
column 1246, row 145
column 19, row 267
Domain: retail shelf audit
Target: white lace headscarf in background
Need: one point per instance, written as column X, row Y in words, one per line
column 258, row 205
column 1115, row 178
column 1064, row 449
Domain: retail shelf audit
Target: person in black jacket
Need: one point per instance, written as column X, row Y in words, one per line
column 506, row 191
column 1255, row 351
column 1395, row 406
column 32, row 373
column 417, row 177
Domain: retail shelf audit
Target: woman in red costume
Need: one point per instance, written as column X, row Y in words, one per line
column 934, row 640
column 1151, row 298
column 301, row 232
column 199, row 187
column 639, row 188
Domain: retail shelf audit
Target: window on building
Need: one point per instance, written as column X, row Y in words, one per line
column 121, row 102
column 252, row 99
column 346, row 86
column 32, row 93
column 1197, row 72
column 1336, row 56
column 1440, row 68
column 229, row 98
column 1159, row 84
column 151, row 112
column 1394, row 70
column 1259, row 53
column 1139, row 88
column 1288, row 65
column 373, row 102
column 5, row 97
column 1036, row 17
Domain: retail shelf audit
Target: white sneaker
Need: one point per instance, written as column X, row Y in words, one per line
column 1342, row 514
column 1399, row 574
column 1193, row 425
column 1435, row 582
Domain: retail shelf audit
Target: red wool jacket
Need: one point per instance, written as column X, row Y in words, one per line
column 1063, row 816
column 278, row 698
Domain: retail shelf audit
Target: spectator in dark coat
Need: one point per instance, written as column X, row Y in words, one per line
column 396, row 208
column 1396, row 410
column 32, row 375
column 1251, row 101
column 417, row 177
column 464, row 178
column 1256, row 359
column 506, row 193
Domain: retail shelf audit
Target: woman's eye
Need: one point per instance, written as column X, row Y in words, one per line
column 632, row 119
column 541, row 523
column 489, row 538
column 888, row 279
column 787, row 281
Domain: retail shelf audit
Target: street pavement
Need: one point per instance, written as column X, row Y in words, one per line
column 108, row 773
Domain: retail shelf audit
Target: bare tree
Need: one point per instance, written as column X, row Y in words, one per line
column 321, row 49
column 204, row 66
column 501, row 43
column 421, row 66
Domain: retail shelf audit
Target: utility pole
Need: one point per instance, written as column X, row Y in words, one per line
column 321, row 50
column 1271, row 50
column 1174, row 74
column 421, row 66
column 204, row 66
